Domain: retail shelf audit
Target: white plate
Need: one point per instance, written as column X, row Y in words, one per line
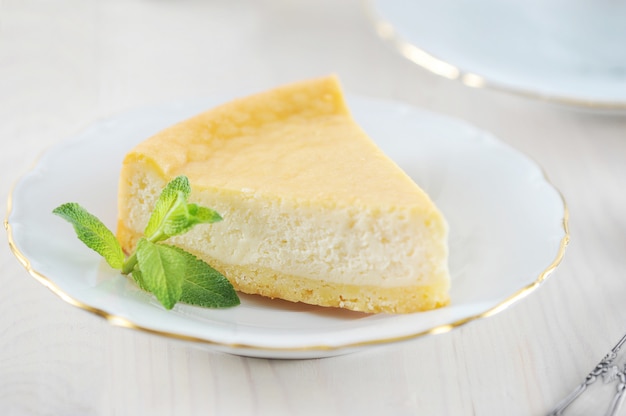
column 568, row 51
column 508, row 231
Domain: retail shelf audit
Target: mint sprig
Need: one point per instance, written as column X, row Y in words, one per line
column 169, row 272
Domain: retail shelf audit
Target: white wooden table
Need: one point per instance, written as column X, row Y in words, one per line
column 66, row 64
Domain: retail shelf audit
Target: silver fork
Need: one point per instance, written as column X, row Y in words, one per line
column 609, row 373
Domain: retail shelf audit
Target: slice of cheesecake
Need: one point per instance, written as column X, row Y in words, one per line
column 313, row 211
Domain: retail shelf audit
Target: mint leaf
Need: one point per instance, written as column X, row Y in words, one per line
column 176, row 220
column 183, row 217
column 204, row 286
column 138, row 278
column 168, row 198
column 172, row 214
column 203, row 215
column 162, row 270
column 91, row 231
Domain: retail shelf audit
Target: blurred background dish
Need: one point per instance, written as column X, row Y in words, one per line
column 571, row 52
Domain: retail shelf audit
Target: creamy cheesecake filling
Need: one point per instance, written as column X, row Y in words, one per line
column 349, row 244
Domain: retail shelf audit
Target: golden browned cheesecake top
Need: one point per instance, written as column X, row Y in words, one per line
column 273, row 143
